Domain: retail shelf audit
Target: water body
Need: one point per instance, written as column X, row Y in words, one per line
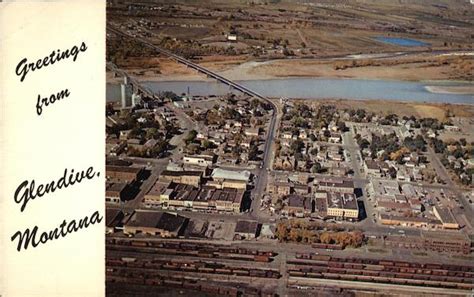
column 315, row 88
column 401, row 41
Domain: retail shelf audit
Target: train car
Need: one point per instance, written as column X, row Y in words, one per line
column 240, row 272
column 320, row 257
column 374, row 267
column 296, row 273
column 314, row 275
column 440, row 272
column 386, row 263
column 139, row 243
column 433, row 266
column 261, row 258
column 153, row 281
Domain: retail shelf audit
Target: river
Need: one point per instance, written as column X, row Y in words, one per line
column 317, row 88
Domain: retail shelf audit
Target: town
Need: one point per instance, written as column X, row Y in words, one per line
column 237, row 193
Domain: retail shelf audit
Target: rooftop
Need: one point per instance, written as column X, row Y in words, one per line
column 160, row 220
column 232, row 175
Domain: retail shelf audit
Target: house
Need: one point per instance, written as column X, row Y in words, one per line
column 232, row 37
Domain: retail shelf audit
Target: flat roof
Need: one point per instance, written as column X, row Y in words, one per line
column 249, row 227
column 153, row 219
column 181, row 173
column 342, row 201
column 233, row 175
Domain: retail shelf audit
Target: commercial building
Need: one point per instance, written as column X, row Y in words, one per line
column 199, row 160
column 298, row 206
column 432, row 241
column 123, row 174
column 113, row 220
column 446, row 217
column 154, row 223
column 342, row 205
column 115, row 192
column 184, row 196
column 336, row 185
column 247, row 229
column 192, row 178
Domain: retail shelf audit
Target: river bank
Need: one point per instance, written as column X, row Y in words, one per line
column 388, row 66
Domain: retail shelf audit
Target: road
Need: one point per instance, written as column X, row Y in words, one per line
column 443, row 173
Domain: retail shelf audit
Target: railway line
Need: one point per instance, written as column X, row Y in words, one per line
column 153, row 263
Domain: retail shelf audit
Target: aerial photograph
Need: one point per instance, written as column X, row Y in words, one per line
column 290, row 148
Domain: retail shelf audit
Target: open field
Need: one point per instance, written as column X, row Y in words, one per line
column 288, row 38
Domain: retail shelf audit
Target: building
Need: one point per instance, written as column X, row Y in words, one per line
column 221, row 175
column 431, row 241
column 113, row 220
column 115, row 192
column 247, row 229
column 199, row 160
column 446, row 217
column 298, row 206
column 336, row 185
column 280, row 188
column 192, row 178
column 406, row 221
column 153, row 197
column 155, row 223
column 123, row 174
column 342, row 205
column 372, row 168
column 182, row 196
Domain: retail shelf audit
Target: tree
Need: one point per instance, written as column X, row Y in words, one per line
column 191, row 136
column 316, row 167
column 152, row 133
column 294, row 235
column 282, row 231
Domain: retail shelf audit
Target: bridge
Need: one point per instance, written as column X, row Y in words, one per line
column 192, row 65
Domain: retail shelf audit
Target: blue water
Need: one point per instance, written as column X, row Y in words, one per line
column 313, row 88
column 401, row 41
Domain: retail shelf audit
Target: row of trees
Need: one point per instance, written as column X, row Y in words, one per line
column 287, row 233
